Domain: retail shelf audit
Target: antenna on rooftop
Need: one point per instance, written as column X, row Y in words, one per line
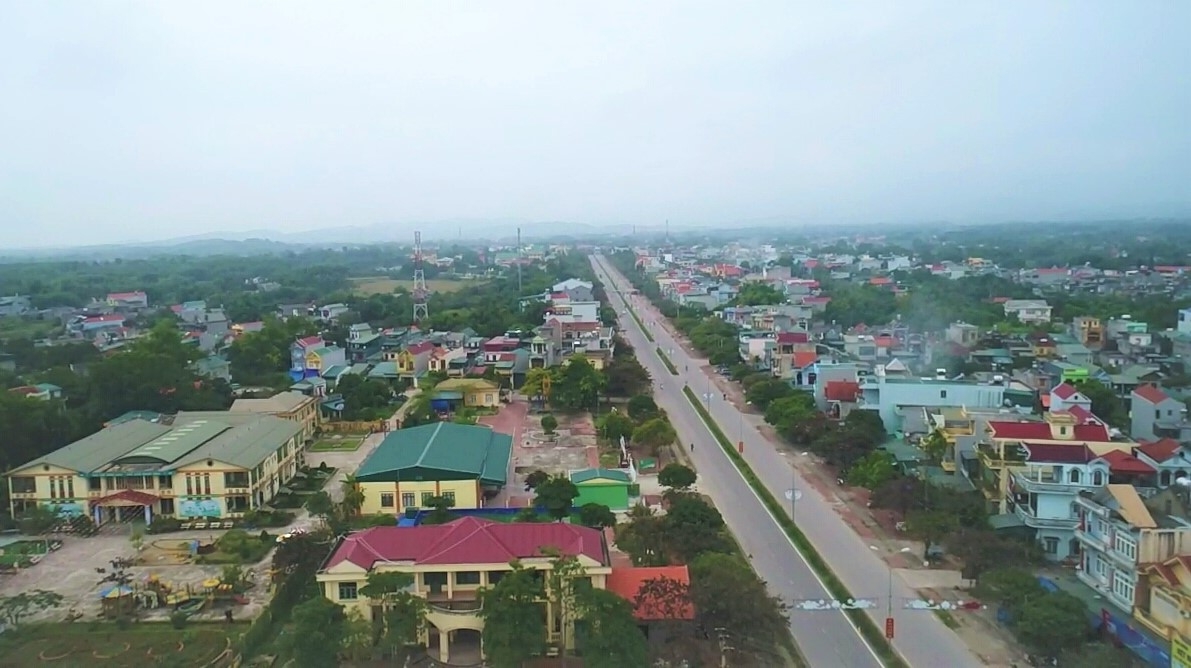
column 421, row 310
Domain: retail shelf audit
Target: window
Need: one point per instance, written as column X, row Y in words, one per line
column 1098, row 478
column 1122, row 586
column 467, row 578
column 94, row 484
column 69, row 488
column 238, row 479
column 26, row 484
column 495, row 576
column 348, row 591
column 426, row 496
column 435, row 582
column 1074, row 475
column 407, row 499
column 1050, row 545
column 1125, row 548
column 189, row 484
column 1157, row 414
column 942, row 394
column 449, row 496
column 207, row 484
column 386, row 500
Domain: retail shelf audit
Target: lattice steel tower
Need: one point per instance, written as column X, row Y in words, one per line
column 421, row 311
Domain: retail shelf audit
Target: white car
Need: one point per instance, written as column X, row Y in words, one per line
column 286, row 536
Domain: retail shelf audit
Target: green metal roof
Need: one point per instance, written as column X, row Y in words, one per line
column 594, row 475
column 174, row 444
column 440, row 451
column 384, row 370
column 248, row 444
column 99, row 449
column 147, row 416
column 447, row 395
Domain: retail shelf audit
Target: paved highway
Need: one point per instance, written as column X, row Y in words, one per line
column 827, row 639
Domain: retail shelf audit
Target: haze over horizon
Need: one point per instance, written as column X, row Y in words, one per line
column 141, row 121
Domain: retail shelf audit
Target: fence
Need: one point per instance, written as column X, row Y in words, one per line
column 353, row 426
column 1143, row 646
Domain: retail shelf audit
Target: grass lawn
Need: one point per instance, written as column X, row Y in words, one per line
column 22, row 552
column 379, row 285
column 338, row 443
column 88, row 643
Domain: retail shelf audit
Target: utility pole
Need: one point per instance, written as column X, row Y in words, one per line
column 519, row 262
column 421, row 310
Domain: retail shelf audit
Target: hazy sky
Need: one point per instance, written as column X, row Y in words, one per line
column 134, row 121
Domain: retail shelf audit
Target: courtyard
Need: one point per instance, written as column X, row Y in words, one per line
column 80, row 644
column 572, row 446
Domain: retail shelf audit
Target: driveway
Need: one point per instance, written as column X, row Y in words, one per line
column 827, row 639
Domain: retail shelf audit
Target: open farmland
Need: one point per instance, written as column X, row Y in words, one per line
column 379, row 285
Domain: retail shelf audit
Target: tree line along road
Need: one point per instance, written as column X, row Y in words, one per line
column 827, row 639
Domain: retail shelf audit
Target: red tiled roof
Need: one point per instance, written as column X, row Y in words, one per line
column 810, row 263
column 880, row 280
column 884, row 341
column 1084, row 415
column 1045, row 401
column 816, row 300
column 804, row 359
column 1160, row 450
column 1051, row 270
column 1151, row 393
column 468, row 540
column 129, row 496
column 793, row 337
column 310, row 341
column 1058, row 453
column 125, row 295
column 25, row 390
column 841, row 390
column 627, row 582
column 1120, row 461
column 1064, row 391
column 1040, row 431
column 419, row 348
column 1165, row 571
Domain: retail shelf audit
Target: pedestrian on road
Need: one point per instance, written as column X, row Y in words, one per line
column 692, row 447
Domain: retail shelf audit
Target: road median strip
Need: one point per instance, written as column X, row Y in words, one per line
column 667, row 362
column 868, row 628
column 632, row 313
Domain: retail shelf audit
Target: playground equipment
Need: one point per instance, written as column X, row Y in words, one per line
column 117, row 601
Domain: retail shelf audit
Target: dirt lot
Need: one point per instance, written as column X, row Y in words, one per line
column 573, row 446
column 379, row 285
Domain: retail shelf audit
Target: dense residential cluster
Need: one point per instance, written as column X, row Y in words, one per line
column 1070, row 426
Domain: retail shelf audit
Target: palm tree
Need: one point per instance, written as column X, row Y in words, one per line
column 353, row 495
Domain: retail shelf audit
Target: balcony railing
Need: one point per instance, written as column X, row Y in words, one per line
column 1012, row 454
column 1046, row 483
column 1090, row 538
column 461, row 608
column 1023, row 511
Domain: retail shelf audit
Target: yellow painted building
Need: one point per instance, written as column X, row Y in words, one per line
column 1164, row 598
column 196, row 465
column 452, row 562
column 293, row 406
column 465, row 463
column 1001, row 452
column 474, row 392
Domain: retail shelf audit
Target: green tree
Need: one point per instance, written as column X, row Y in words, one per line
column 353, row 495
column 655, row 435
column 643, row 408
column 693, row 527
column 514, row 627
column 535, row 478
column 728, row 595
column 557, row 496
column 758, row 294
column 596, row 516
column 935, row 446
column 440, row 509
column 873, row 470
column 765, row 392
column 1052, row 624
column 931, row 525
column 677, row 477
column 625, row 375
column 357, row 637
column 14, row 608
column 1105, row 403
column 318, row 632
column 549, row 423
column 786, row 413
column 404, row 612
column 578, row 385
column 643, row 538
column 536, row 381
column 615, row 425
column 609, row 636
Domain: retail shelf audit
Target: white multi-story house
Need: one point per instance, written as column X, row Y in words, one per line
column 1042, row 490
column 1035, row 311
column 1119, row 534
